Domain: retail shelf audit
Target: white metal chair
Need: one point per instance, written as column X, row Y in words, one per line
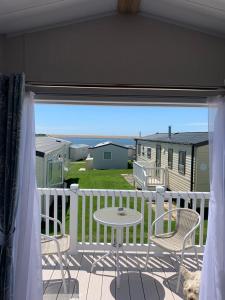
column 181, row 239
column 57, row 244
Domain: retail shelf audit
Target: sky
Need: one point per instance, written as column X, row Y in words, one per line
column 111, row 120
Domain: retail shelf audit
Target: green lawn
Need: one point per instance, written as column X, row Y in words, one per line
column 107, row 179
column 97, row 179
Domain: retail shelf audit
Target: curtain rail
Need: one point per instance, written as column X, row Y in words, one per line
column 123, row 94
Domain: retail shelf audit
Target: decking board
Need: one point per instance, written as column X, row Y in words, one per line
column 155, row 283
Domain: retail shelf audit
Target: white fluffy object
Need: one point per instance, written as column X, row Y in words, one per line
column 191, row 284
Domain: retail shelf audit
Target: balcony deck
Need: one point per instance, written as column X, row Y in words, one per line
column 136, row 283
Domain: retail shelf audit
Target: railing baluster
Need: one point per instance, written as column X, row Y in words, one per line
column 55, row 211
column 47, row 203
column 73, row 231
column 135, row 227
column 90, row 218
column 202, row 210
column 142, row 221
column 149, row 216
column 186, row 201
column 121, row 200
column 105, row 227
column 170, row 206
column 83, row 216
column 127, row 229
column 194, row 208
column 98, row 227
column 63, row 212
column 113, row 205
column 178, row 202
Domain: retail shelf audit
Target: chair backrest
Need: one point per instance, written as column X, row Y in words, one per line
column 187, row 219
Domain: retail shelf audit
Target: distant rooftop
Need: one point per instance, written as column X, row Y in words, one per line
column 79, row 146
column 108, row 143
column 46, row 144
column 186, row 138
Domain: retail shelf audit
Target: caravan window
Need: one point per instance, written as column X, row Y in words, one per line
column 170, row 159
column 107, row 155
column 139, row 149
column 182, row 162
column 54, row 172
column 149, row 152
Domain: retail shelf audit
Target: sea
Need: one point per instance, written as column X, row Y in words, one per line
column 95, row 141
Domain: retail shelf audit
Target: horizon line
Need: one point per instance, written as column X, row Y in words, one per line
column 93, row 136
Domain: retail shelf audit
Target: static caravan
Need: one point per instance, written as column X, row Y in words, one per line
column 52, row 156
column 78, row 152
column 183, row 155
column 109, row 156
column 131, row 152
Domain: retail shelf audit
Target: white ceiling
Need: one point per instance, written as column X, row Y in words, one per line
column 25, row 15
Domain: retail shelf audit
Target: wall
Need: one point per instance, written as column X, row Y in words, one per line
column 119, row 50
column 202, row 169
column 119, row 157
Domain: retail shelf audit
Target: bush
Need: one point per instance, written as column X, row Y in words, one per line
column 130, row 164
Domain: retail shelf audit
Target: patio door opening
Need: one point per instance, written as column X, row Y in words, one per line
column 99, row 156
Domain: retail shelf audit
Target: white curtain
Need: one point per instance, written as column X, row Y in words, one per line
column 27, row 252
column 213, row 273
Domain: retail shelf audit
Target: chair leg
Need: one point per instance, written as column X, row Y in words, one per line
column 179, row 273
column 196, row 257
column 62, row 272
column 66, row 260
column 147, row 256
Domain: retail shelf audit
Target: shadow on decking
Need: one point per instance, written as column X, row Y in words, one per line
column 157, row 282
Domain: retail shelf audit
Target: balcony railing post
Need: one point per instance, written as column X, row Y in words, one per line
column 73, row 217
column 159, row 208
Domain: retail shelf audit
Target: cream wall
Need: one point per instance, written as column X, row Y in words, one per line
column 119, row 50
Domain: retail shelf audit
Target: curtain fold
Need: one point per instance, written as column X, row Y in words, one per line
column 213, row 272
column 11, row 98
column 27, row 251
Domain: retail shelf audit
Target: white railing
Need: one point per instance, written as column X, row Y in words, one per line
column 146, row 175
column 75, row 207
column 156, row 176
column 140, row 176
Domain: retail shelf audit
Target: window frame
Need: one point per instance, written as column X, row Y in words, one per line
column 107, row 152
column 170, row 158
column 182, row 164
column 139, row 149
column 158, row 158
column 50, row 172
column 149, row 149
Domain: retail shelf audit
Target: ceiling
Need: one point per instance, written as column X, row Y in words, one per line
column 25, row 15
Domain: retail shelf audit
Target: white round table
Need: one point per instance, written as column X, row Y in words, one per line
column 111, row 216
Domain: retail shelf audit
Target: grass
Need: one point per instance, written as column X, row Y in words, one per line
column 97, row 179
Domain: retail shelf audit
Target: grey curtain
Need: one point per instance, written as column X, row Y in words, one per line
column 11, row 97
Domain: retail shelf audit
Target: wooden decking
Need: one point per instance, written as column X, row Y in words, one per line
column 156, row 283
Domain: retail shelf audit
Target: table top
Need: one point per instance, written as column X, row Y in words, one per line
column 111, row 216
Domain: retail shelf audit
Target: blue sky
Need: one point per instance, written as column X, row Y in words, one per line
column 111, row 120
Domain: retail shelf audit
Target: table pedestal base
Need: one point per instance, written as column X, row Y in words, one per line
column 116, row 247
